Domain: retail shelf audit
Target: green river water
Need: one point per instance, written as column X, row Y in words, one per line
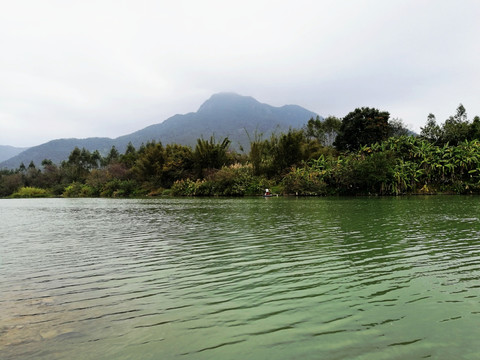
column 250, row 278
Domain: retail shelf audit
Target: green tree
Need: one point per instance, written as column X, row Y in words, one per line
column 50, row 177
column 331, row 126
column 324, row 131
column 289, row 150
column 32, row 175
column 149, row 165
column 130, row 156
column 474, row 131
column 363, row 126
column 314, row 129
column 47, row 162
column 210, row 154
column 457, row 127
column 178, row 165
column 431, row 132
column 398, row 128
column 113, row 156
column 258, row 153
column 79, row 164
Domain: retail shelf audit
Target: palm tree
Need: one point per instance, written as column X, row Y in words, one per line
column 209, row 154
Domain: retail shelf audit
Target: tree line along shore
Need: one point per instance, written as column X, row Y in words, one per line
column 365, row 153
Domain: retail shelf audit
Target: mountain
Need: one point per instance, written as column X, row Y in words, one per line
column 57, row 151
column 6, row 152
column 224, row 114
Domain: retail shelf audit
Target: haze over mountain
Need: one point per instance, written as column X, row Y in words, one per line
column 224, row 114
column 6, row 151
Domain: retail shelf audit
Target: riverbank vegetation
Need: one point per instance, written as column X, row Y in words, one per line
column 365, row 153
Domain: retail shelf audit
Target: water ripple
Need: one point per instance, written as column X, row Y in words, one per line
column 240, row 278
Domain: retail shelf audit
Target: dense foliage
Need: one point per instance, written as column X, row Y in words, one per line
column 396, row 166
column 362, row 127
column 381, row 159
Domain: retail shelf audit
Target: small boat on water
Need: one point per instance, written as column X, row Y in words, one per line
column 267, row 193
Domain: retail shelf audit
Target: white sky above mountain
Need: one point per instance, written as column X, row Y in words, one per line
column 108, row 68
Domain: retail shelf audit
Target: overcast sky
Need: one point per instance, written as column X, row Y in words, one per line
column 108, row 68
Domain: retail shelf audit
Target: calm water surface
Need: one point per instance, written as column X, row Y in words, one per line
column 276, row 278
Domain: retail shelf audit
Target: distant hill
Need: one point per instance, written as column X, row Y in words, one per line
column 224, row 114
column 57, row 151
column 6, row 152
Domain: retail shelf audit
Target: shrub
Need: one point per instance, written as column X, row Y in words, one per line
column 304, row 181
column 184, row 187
column 126, row 188
column 204, row 188
column 30, row 192
column 119, row 188
column 167, row 192
column 77, row 189
column 235, row 180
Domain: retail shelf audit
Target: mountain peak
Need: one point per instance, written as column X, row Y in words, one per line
column 226, row 101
